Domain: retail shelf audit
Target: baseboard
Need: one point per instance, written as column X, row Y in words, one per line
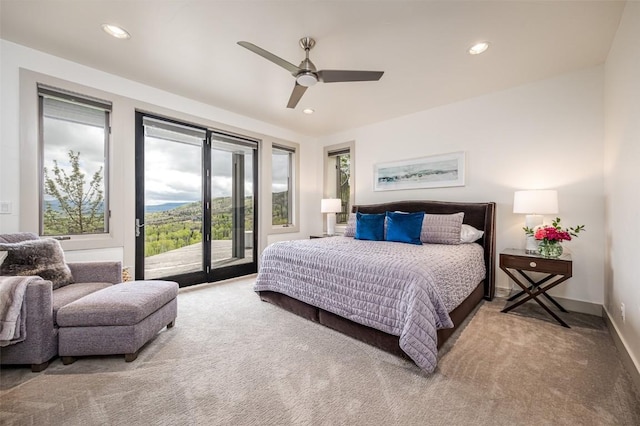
column 570, row 305
column 627, row 360
column 502, row 291
column 581, row 306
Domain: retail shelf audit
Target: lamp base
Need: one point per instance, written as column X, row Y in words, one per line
column 532, row 221
column 531, row 246
column 331, row 223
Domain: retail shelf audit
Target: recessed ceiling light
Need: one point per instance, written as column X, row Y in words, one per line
column 478, row 48
column 116, row 31
column 308, row 110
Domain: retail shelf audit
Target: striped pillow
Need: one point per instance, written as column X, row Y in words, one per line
column 350, row 230
column 441, row 228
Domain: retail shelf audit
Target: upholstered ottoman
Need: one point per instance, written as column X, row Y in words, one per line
column 116, row 320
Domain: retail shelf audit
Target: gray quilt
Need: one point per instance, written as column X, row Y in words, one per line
column 402, row 289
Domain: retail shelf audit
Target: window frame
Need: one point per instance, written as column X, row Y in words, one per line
column 332, row 190
column 294, row 185
column 31, row 167
column 87, row 101
column 338, row 156
column 290, row 164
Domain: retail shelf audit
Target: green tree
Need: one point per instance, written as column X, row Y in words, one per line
column 80, row 202
column 344, row 189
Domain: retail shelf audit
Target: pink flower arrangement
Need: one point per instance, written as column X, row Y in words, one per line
column 554, row 232
column 550, row 233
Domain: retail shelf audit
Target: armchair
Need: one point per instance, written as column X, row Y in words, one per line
column 43, row 302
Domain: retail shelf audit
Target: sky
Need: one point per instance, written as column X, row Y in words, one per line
column 173, row 170
column 64, row 136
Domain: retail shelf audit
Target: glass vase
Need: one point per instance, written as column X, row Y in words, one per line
column 550, row 249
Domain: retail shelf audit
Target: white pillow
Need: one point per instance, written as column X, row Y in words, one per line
column 3, row 256
column 469, row 234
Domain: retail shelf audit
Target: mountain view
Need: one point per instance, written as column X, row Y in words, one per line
column 181, row 226
column 174, row 225
column 162, row 207
column 170, row 226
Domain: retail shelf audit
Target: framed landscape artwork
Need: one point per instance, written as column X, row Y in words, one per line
column 434, row 171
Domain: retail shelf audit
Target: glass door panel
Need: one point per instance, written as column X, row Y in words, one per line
column 173, row 211
column 232, row 203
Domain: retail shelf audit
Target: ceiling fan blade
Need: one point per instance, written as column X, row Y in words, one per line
column 337, row 76
column 297, row 93
column 270, row 56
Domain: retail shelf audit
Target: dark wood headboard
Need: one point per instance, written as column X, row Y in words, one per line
column 479, row 215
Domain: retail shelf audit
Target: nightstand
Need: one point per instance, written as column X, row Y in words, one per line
column 556, row 270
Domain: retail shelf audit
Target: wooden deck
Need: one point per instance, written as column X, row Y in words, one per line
column 189, row 259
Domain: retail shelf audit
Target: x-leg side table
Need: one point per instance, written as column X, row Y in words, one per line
column 557, row 271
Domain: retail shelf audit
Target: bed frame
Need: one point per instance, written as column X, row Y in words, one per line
column 479, row 215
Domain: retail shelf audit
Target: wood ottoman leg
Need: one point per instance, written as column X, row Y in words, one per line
column 36, row 368
column 171, row 324
column 66, row 360
column 132, row 356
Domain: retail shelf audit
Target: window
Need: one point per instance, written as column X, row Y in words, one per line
column 282, row 161
column 196, row 198
column 338, row 181
column 74, row 142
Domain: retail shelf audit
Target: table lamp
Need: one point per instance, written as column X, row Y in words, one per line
column 534, row 204
column 331, row 206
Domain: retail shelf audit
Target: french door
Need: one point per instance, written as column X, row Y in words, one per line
column 196, row 202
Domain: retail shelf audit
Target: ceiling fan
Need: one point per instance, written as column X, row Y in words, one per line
column 306, row 74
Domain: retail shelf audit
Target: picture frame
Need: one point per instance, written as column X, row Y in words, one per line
column 434, row 171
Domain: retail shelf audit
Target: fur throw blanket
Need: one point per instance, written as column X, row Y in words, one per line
column 42, row 257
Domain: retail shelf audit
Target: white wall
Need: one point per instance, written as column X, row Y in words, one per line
column 543, row 135
column 15, row 56
column 622, row 178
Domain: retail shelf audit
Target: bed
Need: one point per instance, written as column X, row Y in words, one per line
column 383, row 293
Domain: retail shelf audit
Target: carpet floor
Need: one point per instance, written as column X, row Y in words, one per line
column 234, row 360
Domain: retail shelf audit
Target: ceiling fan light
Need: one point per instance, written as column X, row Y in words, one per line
column 308, row 110
column 307, row 79
column 478, row 48
column 116, row 31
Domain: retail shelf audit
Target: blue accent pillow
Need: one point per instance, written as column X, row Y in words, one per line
column 369, row 226
column 404, row 227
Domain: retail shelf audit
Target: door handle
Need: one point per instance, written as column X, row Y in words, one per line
column 138, row 226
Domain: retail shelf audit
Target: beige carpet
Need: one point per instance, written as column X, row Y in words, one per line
column 232, row 359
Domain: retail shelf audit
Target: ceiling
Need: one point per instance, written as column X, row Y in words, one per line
column 189, row 48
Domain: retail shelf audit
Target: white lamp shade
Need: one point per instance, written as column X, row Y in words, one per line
column 535, row 202
column 331, row 205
